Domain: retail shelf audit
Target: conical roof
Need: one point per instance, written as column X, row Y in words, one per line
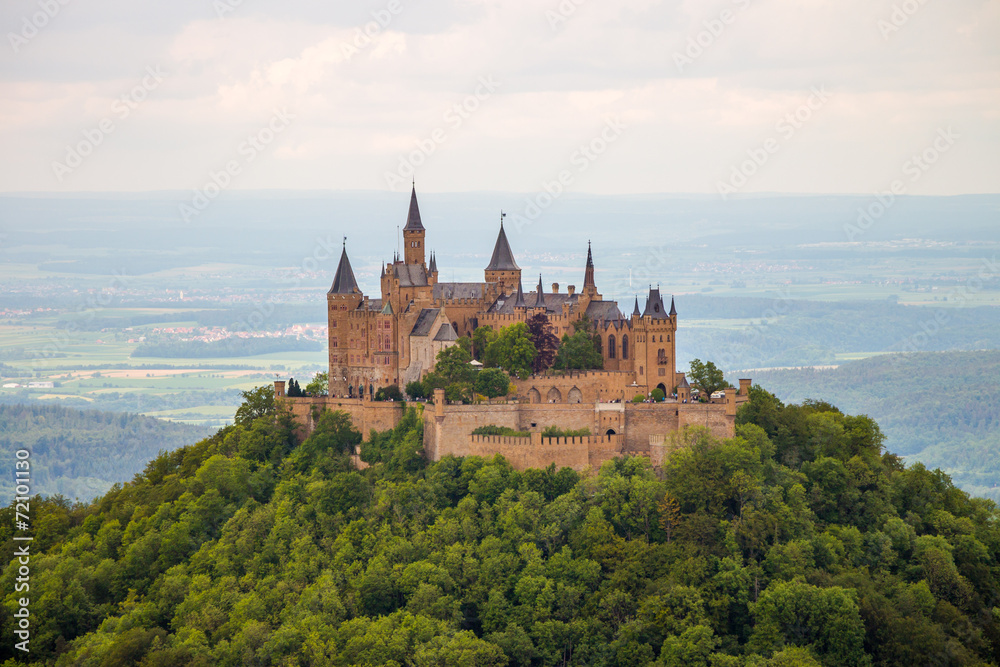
column 519, row 300
column 343, row 280
column 540, row 296
column 673, row 308
column 413, row 223
column 635, row 311
column 590, row 257
column 434, row 265
column 503, row 258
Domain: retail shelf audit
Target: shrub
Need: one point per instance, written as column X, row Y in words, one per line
column 556, row 432
column 500, row 430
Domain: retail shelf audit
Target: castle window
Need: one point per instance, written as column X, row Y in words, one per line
column 625, row 347
column 640, row 370
column 612, row 347
column 663, row 371
column 668, row 338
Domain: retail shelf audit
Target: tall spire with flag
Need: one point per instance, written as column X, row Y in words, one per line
column 413, row 233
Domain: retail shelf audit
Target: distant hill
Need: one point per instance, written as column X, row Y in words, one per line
column 939, row 408
column 82, row 453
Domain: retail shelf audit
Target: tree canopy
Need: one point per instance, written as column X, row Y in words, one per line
column 799, row 541
column 513, row 351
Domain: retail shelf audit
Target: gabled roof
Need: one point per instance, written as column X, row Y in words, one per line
column 603, row 310
column 446, row 333
column 503, row 258
column 413, row 223
column 388, row 308
column 458, row 291
column 343, row 280
column 683, row 384
column 410, row 275
column 425, row 320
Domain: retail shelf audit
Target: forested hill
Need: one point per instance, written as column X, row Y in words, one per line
column 798, row 542
column 81, row 453
column 941, row 408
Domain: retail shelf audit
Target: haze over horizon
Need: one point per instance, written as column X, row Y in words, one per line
column 641, row 96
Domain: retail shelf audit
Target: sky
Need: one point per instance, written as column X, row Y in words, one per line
column 724, row 97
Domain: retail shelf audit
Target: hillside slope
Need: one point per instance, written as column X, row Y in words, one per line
column 799, row 542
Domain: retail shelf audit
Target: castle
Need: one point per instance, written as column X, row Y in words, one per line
column 395, row 339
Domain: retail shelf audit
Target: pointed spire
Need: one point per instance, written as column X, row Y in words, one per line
column 434, row 266
column 413, row 223
column 588, row 274
column 673, row 308
column 519, row 300
column 635, row 311
column 503, row 258
column 383, row 271
column 343, row 280
column 540, row 297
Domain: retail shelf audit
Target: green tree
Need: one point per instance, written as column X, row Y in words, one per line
column 416, row 390
column 512, row 351
column 452, row 365
column 492, row 383
column 578, row 352
column 707, row 377
column 319, row 385
column 257, row 403
column 481, row 339
column 390, row 393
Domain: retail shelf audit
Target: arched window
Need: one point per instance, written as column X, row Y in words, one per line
column 625, row 346
column 612, row 346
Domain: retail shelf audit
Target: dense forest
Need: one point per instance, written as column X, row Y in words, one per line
column 798, row 542
column 81, row 453
column 940, row 408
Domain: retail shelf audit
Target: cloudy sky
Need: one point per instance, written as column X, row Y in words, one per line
column 630, row 96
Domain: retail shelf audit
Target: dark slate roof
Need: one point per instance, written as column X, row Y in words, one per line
column 410, row 275
column 413, row 223
column 673, row 308
column 458, row 291
column 503, row 258
column 425, row 320
column 343, row 280
column 553, row 302
column 635, row 311
column 446, row 332
column 434, row 265
column 374, row 304
column 603, row 310
column 590, row 257
column 539, row 294
column 519, row 301
column 388, row 309
column 654, row 306
column 683, row 384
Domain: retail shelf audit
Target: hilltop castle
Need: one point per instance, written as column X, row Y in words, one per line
column 395, row 339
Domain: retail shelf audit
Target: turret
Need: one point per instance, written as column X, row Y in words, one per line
column 502, row 268
column 413, row 233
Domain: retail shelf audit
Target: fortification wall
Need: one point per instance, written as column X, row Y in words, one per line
column 365, row 415
column 538, row 452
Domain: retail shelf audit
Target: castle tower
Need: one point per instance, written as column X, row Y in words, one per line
column 343, row 299
column 589, row 286
column 413, row 233
column 502, row 269
column 656, row 344
column 432, row 270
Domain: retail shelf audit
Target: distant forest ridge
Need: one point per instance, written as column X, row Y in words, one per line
column 82, row 453
column 942, row 409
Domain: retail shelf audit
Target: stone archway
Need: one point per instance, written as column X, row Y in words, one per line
column 534, row 396
column 575, row 395
column 610, row 431
column 554, row 396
